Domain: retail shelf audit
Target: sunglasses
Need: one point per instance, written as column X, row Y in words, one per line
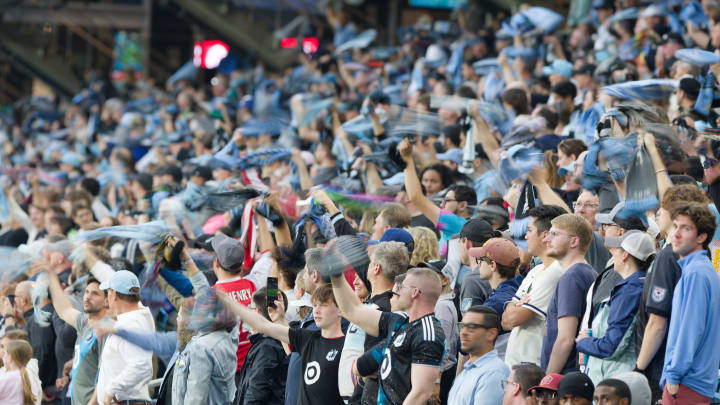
column 473, row 326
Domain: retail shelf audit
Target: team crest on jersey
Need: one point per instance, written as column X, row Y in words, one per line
column 658, row 294
column 331, row 355
column 399, row 340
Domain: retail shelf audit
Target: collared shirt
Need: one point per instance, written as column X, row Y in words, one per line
column 691, row 356
column 503, row 294
column 480, row 382
column 126, row 369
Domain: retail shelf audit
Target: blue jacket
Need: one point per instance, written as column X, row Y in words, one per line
column 624, row 302
column 503, row 294
column 691, row 355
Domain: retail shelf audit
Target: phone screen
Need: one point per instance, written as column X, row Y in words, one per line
column 272, row 291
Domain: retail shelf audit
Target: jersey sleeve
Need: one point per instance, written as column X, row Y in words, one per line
column 429, row 344
column 387, row 320
column 662, row 280
column 298, row 337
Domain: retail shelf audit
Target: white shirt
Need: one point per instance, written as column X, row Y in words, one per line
column 525, row 343
column 126, row 369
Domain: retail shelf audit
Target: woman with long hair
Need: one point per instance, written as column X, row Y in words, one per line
column 16, row 386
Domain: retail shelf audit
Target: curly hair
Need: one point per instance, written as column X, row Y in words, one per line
column 700, row 215
column 683, row 193
column 426, row 245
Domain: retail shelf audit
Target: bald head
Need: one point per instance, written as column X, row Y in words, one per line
column 24, row 289
column 427, row 281
column 23, row 300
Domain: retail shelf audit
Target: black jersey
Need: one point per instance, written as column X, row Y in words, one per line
column 320, row 359
column 419, row 342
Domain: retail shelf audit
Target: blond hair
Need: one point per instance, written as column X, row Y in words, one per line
column 427, row 246
column 21, row 353
column 576, row 225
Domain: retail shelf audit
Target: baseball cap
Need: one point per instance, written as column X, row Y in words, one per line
column 639, row 387
column 612, row 217
column 549, row 382
column 202, row 171
column 453, row 155
column 690, row 86
column 586, row 69
column 217, row 163
column 638, row 243
column 499, row 250
column 229, row 252
column 672, row 37
column 172, row 170
column 123, row 282
column 559, row 66
column 477, row 230
column 577, row 384
column 434, row 265
column 396, row 235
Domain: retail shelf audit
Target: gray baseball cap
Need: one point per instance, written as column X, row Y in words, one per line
column 609, row 217
column 229, row 252
column 638, row 243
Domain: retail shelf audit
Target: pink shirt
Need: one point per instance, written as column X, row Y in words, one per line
column 11, row 388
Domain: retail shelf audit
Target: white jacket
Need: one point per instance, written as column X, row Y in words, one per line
column 126, row 369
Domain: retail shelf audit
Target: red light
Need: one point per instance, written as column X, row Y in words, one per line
column 289, row 43
column 310, row 45
column 209, row 54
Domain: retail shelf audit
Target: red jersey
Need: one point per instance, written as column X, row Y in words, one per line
column 240, row 290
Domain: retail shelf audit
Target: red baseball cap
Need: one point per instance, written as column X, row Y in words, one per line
column 549, row 382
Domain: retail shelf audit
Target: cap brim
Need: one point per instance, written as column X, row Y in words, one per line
column 613, row 242
column 604, row 218
column 477, row 252
column 547, row 70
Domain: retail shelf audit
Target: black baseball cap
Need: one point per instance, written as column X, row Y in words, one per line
column 477, row 230
column 576, row 384
column 172, row 170
column 672, row 37
column 202, row 171
column 586, row 69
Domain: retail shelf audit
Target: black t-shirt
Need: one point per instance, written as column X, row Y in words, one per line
column 657, row 299
column 383, row 304
column 422, row 220
column 320, row 360
column 419, row 342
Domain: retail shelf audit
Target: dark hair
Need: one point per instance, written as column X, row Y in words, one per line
column 694, row 168
column 528, row 375
column 445, row 173
column 517, row 99
column 91, row 185
column 507, row 272
column 700, row 215
column 543, row 214
column 643, row 265
column 63, row 221
column 621, row 388
column 288, row 269
column 550, row 116
column 452, row 132
column 259, row 298
column 562, row 109
column 564, row 89
column 491, row 319
column 572, row 146
column 324, row 295
column 132, row 298
column 464, row 193
column 678, row 179
column 465, row 91
column 77, row 207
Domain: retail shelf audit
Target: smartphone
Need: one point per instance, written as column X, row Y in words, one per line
column 271, row 291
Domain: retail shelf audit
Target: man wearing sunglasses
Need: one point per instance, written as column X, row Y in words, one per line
column 481, row 380
column 414, row 341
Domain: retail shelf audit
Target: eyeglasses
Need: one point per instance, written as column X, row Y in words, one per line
column 606, row 226
column 446, row 200
column 505, row 383
column 473, row 326
column 577, row 205
column 395, row 293
column 483, row 259
column 555, row 234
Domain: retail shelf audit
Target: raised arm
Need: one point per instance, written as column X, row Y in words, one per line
column 483, row 136
column 544, row 191
column 60, row 301
column 368, row 319
column 661, row 175
column 305, row 181
column 282, row 230
column 256, row 322
column 412, row 184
